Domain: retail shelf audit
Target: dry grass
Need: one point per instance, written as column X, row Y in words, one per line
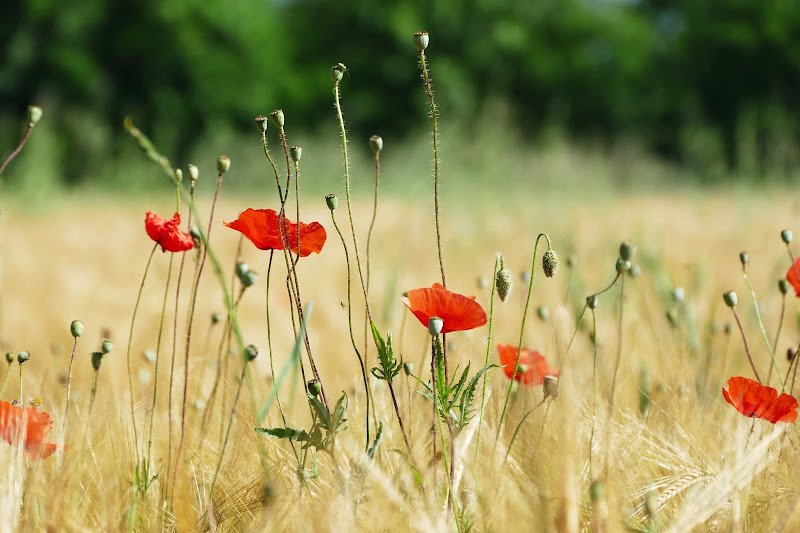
column 693, row 451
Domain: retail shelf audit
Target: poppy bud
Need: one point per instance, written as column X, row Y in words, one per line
column 550, row 387
column 76, row 328
column 216, row 318
column 592, row 301
column 10, row 357
column 107, row 346
column 314, row 387
column 34, row 115
column 332, row 200
column 251, row 352
column 571, row 261
column 783, row 286
column 23, row 356
column 730, row 298
column 672, row 316
column 483, row 282
column 635, row 271
column 627, row 250
column 408, row 368
column 544, row 313
column 435, row 325
column 597, row 490
column 295, row 152
column 376, row 143
column 194, row 172
column 178, row 174
column 504, row 282
column 421, row 39
column 277, row 118
column 262, row 122
column 744, row 258
column 790, row 353
column 526, row 277
column 194, row 232
column 550, row 263
column 97, row 359
column 150, row 355
column 337, row 72
column 622, row 266
column 786, row 235
column 248, row 278
column 242, row 268
column 728, row 329
column 677, row 294
column 223, row 164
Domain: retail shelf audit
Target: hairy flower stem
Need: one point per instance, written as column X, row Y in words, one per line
column 488, row 351
column 20, row 385
column 369, row 240
column 228, row 432
column 777, row 338
column 69, row 381
column 521, row 333
column 158, row 359
column 130, row 340
column 616, row 368
column 746, row 348
column 519, row 426
column 94, row 390
column 761, row 327
column 583, row 312
column 438, row 412
column 350, row 325
column 19, row 147
column 594, row 391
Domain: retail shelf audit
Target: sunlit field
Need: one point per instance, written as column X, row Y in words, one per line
column 669, row 453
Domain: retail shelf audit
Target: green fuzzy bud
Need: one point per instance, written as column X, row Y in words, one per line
column 216, row 318
column 376, row 143
column 744, row 258
column 107, row 346
column 786, row 235
column 23, row 356
column 249, row 278
column 251, row 352
column 504, row 283
column 421, row 40
column 783, row 286
column 178, row 174
column 408, row 368
column 223, row 164
column 97, row 360
column 262, row 122
column 10, row 357
column 242, row 268
column 550, row 263
column 592, row 301
column 627, row 250
column 622, row 266
column 544, row 313
column 76, row 328
column 314, row 387
column 278, row 118
column 332, row 201
column 34, row 115
column 194, row 172
column 435, row 325
column 730, row 298
column 296, row 152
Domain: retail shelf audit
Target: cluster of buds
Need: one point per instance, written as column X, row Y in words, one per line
column 246, row 276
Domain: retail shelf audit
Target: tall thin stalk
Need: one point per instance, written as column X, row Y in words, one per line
column 488, row 351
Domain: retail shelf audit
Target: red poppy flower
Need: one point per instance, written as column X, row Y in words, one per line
column 167, row 233
column 755, row 400
column 262, row 228
column 793, row 276
column 532, row 369
column 458, row 312
column 29, row 426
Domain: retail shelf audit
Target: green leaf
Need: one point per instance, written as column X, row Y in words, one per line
column 374, row 448
column 284, row 433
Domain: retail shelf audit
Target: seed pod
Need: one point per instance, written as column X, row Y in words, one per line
column 408, row 368
column 23, row 356
column 223, row 164
column 194, row 172
column 332, row 201
column 251, row 352
column 592, row 301
column 744, row 258
column 277, row 118
column 421, row 40
column 262, row 122
column 76, row 328
column 296, row 152
column 622, row 266
column 627, row 250
column 97, row 360
column 107, row 346
column 435, row 325
column 337, row 72
column 10, row 357
column 249, row 278
column 376, row 143
column 730, row 298
column 783, row 286
column 314, row 387
column 242, row 268
column 34, row 115
column 178, row 174
column 786, row 235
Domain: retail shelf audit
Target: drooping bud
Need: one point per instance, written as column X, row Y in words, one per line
column 544, row 313
column 677, row 294
column 744, row 258
column 622, row 266
column 223, row 164
column 295, row 152
column 783, row 286
column 242, row 268
column 337, row 72
column 730, row 298
column 277, row 118
column 504, row 281
column 435, row 325
column 76, row 328
column 251, row 352
column 550, row 387
column 178, row 174
column 550, row 263
column 107, row 346
column 23, row 356
column 314, row 387
column 592, row 301
column 627, row 250
column 786, row 235
column 408, row 368
column 332, row 201
column 97, row 360
column 376, row 143
column 194, row 172
column 216, row 318
column 421, row 40
column 262, row 122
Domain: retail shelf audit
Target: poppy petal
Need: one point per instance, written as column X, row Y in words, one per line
column 752, row 399
column 262, row 227
column 458, row 312
column 37, row 424
column 793, row 276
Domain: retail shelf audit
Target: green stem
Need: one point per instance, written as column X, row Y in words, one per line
column 521, row 333
column 777, row 337
column 516, row 431
column 594, row 391
column 761, row 327
column 20, row 385
column 69, row 380
column 158, row 358
column 746, row 347
column 94, row 390
column 130, row 341
column 488, row 351
column 5, row 380
column 18, row 149
column 228, row 432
